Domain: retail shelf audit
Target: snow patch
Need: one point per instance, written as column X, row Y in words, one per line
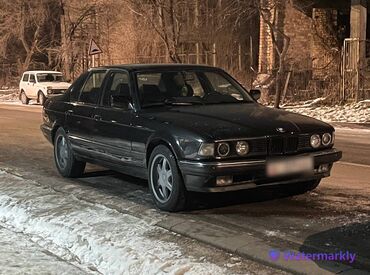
column 91, row 235
column 351, row 113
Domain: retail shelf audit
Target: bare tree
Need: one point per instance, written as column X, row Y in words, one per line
column 164, row 16
column 73, row 15
column 280, row 41
column 21, row 30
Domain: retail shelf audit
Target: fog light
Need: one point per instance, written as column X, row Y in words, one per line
column 224, row 180
column 323, row 168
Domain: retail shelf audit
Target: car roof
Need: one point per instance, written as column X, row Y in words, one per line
column 149, row 67
column 41, row 72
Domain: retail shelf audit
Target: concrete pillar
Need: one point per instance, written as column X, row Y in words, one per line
column 358, row 32
column 358, row 19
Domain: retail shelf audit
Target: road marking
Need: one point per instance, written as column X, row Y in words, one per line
column 354, row 164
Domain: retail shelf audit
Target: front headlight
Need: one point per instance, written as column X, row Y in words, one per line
column 206, row 150
column 223, row 149
column 242, row 148
column 326, row 139
column 315, row 141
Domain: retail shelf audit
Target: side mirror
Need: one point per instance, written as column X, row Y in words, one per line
column 122, row 102
column 256, row 94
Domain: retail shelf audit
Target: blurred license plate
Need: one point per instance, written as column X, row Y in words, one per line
column 289, row 166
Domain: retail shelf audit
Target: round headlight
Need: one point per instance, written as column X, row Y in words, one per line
column 242, row 148
column 315, row 141
column 223, row 149
column 326, row 139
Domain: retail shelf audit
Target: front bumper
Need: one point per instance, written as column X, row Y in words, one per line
column 201, row 176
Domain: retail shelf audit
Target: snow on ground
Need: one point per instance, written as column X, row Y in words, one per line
column 353, row 113
column 9, row 95
column 19, row 255
column 91, row 236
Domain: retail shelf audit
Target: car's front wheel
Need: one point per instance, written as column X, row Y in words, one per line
column 41, row 98
column 66, row 163
column 165, row 180
column 24, row 99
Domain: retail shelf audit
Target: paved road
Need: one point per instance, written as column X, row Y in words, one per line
column 336, row 216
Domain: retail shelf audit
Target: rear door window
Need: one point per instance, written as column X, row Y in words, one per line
column 75, row 88
column 91, row 91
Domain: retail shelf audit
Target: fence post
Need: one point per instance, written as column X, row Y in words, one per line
column 214, row 55
column 240, row 57
column 197, row 52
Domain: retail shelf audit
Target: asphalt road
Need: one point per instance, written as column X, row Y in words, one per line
column 336, row 216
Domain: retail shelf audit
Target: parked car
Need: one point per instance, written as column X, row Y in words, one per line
column 38, row 85
column 184, row 128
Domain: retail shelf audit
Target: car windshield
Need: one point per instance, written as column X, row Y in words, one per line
column 189, row 88
column 49, row 77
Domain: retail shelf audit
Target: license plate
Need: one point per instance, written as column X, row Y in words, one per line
column 289, row 166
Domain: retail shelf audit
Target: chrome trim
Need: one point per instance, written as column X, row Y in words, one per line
column 224, row 164
column 252, row 162
column 240, row 139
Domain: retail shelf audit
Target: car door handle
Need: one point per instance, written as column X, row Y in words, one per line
column 97, row 117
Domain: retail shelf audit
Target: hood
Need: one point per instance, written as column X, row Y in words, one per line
column 225, row 121
column 56, row 85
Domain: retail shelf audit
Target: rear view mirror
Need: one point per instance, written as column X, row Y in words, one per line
column 255, row 93
column 122, row 102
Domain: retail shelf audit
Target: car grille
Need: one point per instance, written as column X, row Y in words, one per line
column 258, row 146
column 57, row 91
column 281, row 145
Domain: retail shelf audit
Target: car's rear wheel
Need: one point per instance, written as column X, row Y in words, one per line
column 65, row 161
column 302, row 187
column 165, row 180
column 41, row 98
column 24, row 99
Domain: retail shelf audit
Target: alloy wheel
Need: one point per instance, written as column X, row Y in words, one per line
column 161, row 178
column 62, row 152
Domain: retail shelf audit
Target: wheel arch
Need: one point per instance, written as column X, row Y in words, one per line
column 54, row 130
column 154, row 142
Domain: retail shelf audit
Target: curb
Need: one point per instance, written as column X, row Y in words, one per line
column 250, row 247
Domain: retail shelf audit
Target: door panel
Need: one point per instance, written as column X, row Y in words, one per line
column 113, row 130
column 112, row 134
column 31, row 87
column 80, row 120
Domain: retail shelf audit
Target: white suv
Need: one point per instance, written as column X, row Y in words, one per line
column 38, row 85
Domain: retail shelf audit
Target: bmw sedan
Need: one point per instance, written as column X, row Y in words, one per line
column 184, row 128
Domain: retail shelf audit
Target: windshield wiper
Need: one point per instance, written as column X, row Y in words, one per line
column 173, row 103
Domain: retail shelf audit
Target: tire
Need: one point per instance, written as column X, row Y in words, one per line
column 302, row 187
column 165, row 180
column 41, row 98
column 23, row 97
column 68, row 166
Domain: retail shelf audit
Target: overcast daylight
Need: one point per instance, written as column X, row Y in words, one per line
column 185, row 137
